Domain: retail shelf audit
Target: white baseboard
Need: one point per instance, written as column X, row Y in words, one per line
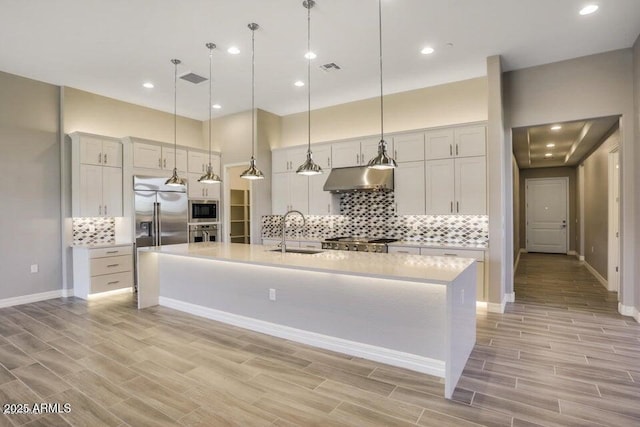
column 66, row 293
column 593, row 271
column 26, row 299
column 628, row 310
column 573, row 253
column 510, row 297
column 581, row 257
column 496, row 307
column 379, row 354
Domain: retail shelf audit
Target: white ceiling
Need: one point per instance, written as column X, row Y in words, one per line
column 111, row 47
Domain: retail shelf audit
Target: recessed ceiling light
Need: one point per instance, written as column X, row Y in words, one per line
column 589, row 9
column 548, row 155
column 299, row 83
column 427, row 50
column 551, row 145
column 148, row 85
column 216, row 106
column 556, row 127
column 233, row 50
column 310, row 55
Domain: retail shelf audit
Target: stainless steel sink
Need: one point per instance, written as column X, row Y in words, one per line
column 298, row 251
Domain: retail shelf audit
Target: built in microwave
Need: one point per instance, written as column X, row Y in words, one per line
column 203, row 211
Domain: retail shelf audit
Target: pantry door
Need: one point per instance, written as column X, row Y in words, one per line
column 547, row 213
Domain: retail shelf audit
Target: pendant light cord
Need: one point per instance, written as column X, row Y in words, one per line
column 309, row 5
column 253, row 91
column 381, row 92
column 210, row 97
column 175, row 114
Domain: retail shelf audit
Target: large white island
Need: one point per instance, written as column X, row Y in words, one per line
column 413, row 311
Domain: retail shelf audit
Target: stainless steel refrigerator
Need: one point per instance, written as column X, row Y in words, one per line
column 161, row 212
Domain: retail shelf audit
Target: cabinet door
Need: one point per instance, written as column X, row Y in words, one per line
column 345, row 154
column 215, row 163
column 90, row 150
column 299, row 192
column 470, row 141
column 296, row 156
column 369, row 149
column 195, row 189
column 279, row 161
column 408, row 148
column 168, row 159
column 197, row 162
column 90, row 190
column 439, row 144
column 111, row 191
column 112, row 153
column 319, row 200
column 322, row 156
column 409, row 192
column 471, row 186
column 439, row 192
column 147, row 156
column 279, row 193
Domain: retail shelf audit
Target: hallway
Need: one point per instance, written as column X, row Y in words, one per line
column 560, row 355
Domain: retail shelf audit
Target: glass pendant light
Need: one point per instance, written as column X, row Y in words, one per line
column 210, row 177
column 382, row 160
column 253, row 172
column 175, row 180
column 309, row 167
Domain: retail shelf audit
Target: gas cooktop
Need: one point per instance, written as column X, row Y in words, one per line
column 362, row 244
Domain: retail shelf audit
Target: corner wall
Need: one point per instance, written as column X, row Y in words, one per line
column 516, row 208
column 30, row 163
column 636, row 99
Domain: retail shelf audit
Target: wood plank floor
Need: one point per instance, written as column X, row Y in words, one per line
column 559, row 356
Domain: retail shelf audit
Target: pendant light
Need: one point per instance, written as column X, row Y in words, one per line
column 309, row 167
column 175, row 180
column 210, row 177
column 382, row 160
column 253, row 172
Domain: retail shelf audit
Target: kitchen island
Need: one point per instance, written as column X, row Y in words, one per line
column 412, row 311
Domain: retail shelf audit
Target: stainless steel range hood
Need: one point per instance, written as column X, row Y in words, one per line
column 359, row 178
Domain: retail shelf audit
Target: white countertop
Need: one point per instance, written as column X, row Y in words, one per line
column 441, row 245
column 415, row 268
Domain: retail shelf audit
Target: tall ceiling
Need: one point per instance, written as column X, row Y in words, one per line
column 112, row 47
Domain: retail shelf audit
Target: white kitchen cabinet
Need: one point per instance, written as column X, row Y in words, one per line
column 288, row 159
column 356, row 153
column 153, row 156
column 100, row 191
column 464, row 141
column 101, row 269
column 409, row 188
column 322, row 156
column 408, row 147
column 95, row 150
column 320, row 201
column 289, row 191
column 456, row 186
column 464, row 253
column 172, row 157
column 412, row 250
column 198, row 190
column 197, row 162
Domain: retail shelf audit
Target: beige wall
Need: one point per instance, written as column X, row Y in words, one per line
column 516, row 207
column 636, row 98
column 592, row 86
column 596, row 204
column 459, row 102
column 88, row 112
column 570, row 173
column 30, row 188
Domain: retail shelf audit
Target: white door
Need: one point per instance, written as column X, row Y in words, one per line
column 279, row 193
column 438, row 144
column 112, row 153
column 90, row 150
column 471, row 186
column 111, row 191
column 90, row 190
column 470, row 141
column 322, row 156
column 319, row 200
column 546, row 214
column 345, row 154
column 369, row 149
column 299, row 192
column 147, row 156
column 439, row 190
column 409, row 192
column 197, row 162
column 613, row 273
column 408, row 148
column 173, row 157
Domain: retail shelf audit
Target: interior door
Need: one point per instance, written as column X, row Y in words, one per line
column 547, row 214
column 613, row 273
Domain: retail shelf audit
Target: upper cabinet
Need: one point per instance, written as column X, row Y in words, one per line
column 288, row 159
column 198, row 161
column 155, row 156
column 408, row 147
column 98, row 151
column 466, row 141
column 355, row 153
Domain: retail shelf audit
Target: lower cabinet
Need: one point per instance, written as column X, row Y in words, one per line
column 311, row 244
column 463, row 253
column 103, row 269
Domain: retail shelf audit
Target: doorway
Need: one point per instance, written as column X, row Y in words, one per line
column 547, row 211
column 238, row 208
column 613, row 268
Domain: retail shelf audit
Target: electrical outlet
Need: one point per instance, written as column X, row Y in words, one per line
column 272, row 294
column 34, row 268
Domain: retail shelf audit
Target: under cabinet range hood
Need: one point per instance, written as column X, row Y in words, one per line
column 359, row 178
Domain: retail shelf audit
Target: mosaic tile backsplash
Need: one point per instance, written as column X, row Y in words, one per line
column 372, row 215
column 92, row 231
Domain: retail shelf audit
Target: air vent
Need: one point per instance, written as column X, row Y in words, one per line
column 332, row 66
column 193, row 78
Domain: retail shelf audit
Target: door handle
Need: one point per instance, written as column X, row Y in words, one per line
column 451, row 208
column 99, row 157
column 450, row 150
column 456, row 149
column 105, row 158
column 457, row 207
column 160, row 162
column 105, row 209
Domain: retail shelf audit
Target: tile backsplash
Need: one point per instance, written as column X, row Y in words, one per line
column 93, row 230
column 371, row 214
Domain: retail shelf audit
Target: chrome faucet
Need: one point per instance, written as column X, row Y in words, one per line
column 283, row 245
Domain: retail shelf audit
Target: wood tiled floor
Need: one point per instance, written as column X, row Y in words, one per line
column 559, row 356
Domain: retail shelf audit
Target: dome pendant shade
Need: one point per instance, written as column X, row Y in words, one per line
column 382, row 160
column 175, row 180
column 210, row 177
column 309, row 167
column 253, row 172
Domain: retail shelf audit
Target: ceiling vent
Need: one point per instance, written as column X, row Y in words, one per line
column 193, row 78
column 332, row 66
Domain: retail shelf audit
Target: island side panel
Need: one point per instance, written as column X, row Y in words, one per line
column 461, row 336
column 148, row 280
column 407, row 317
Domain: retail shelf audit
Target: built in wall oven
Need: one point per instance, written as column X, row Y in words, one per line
column 203, row 233
column 203, row 211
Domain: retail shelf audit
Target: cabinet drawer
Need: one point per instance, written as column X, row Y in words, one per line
column 114, row 251
column 404, row 250
column 108, row 265
column 110, row 282
column 463, row 253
